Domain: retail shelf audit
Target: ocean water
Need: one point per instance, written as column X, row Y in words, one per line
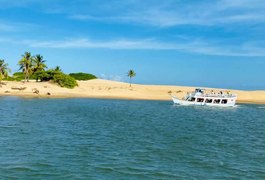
column 122, row 139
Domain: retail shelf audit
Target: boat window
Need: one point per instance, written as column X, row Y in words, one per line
column 209, row 101
column 192, row 99
column 224, row 101
column 217, row 101
column 200, row 100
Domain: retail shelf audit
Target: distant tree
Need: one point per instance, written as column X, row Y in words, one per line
column 4, row 70
column 82, row 76
column 26, row 65
column 39, row 66
column 131, row 74
column 58, row 69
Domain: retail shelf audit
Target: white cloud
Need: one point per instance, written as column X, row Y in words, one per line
column 87, row 43
column 172, row 13
column 153, row 12
column 199, row 46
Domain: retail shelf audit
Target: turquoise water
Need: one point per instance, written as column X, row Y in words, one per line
column 121, row 139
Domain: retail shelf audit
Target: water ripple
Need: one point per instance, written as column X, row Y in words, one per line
column 120, row 139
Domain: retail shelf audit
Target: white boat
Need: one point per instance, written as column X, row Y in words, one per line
column 201, row 98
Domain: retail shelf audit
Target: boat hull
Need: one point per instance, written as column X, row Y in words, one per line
column 177, row 101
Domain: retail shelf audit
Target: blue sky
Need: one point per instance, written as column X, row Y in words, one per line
column 177, row 42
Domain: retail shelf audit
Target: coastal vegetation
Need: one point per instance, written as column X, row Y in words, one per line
column 35, row 68
column 56, row 75
column 131, row 74
column 82, row 76
column 4, row 70
column 17, row 76
column 39, row 66
column 26, row 65
column 65, row 80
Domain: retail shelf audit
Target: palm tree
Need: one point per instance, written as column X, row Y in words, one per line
column 39, row 65
column 26, row 65
column 58, row 69
column 4, row 70
column 131, row 74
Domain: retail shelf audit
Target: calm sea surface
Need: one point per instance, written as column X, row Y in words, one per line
column 121, row 139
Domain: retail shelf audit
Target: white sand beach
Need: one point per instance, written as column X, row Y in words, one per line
column 99, row 88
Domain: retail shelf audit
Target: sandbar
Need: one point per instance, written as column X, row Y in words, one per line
column 100, row 88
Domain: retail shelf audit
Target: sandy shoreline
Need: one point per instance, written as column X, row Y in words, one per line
column 112, row 90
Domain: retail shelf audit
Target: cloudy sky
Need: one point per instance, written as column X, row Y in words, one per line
column 218, row 43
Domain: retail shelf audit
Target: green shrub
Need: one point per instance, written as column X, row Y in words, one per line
column 58, row 77
column 65, row 80
column 82, row 76
column 19, row 76
column 46, row 75
column 9, row 78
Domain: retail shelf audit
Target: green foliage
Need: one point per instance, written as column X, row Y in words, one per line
column 18, row 76
column 31, row 66
column 82, row 76
column 4, row 70
column 9, row 78
column 26, row 65
column 64, row 80
column 34, row 67
column 58, row 77
column 46, row 75
column 131, row 74
column 58, row 69
column 39, row 66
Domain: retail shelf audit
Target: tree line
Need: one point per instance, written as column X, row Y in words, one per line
column 35, row 67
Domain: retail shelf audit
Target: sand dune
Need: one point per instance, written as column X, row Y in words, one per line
column 110, row 89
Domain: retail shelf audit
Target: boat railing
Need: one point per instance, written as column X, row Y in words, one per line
column 192, row 94
column 220, row 95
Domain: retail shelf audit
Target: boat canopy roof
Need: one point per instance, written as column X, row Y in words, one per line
column 199, row 90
